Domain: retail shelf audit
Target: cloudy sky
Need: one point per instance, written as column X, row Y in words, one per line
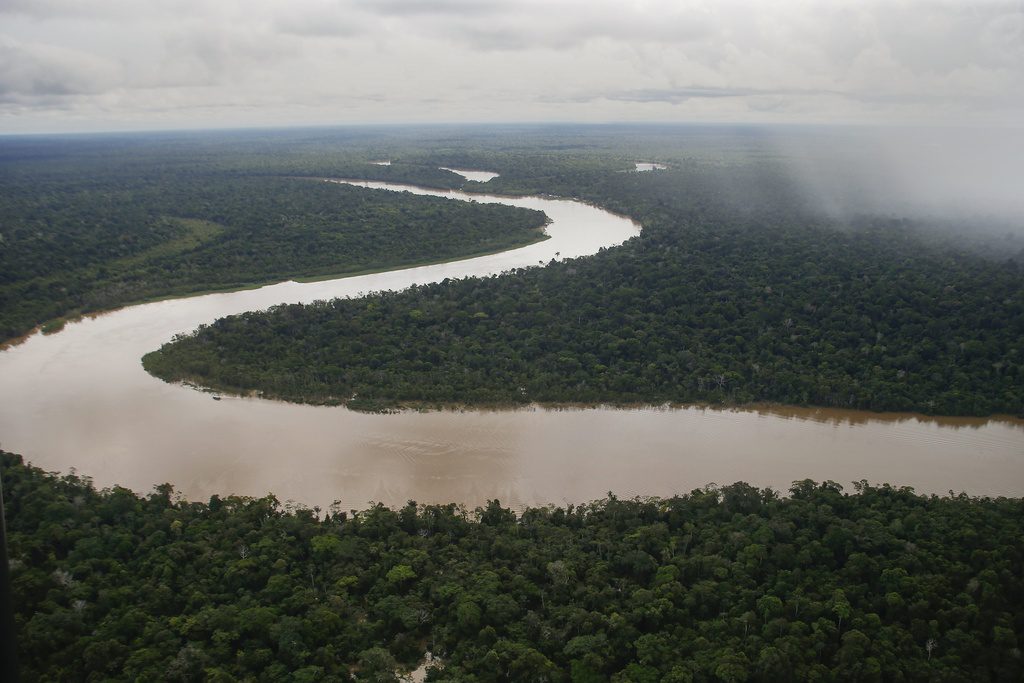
column 83, row 65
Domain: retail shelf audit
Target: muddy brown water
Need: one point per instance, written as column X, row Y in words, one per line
column 80, row 399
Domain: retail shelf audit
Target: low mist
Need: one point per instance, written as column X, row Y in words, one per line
column 968, row 177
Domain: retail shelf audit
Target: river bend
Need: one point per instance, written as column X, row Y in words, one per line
column 80, row 399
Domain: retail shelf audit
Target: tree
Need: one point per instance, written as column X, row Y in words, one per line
column 732, row 667
column 377, row 665
column 840, row 606
column 769, row 606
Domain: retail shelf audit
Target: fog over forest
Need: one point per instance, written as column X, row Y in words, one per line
column 931, row 91
column 971, row 175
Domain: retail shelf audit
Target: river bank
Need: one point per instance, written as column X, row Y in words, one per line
column 80, row 399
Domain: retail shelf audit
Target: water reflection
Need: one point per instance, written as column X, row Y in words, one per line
column 843, row 417
column 477, row 176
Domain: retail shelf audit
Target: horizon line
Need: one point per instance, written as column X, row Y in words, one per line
column 504, row 124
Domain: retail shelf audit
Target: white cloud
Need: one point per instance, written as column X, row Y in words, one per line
column 114, row 63
column 44, row 71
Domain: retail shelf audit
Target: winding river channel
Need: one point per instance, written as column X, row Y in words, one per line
column 80, row 399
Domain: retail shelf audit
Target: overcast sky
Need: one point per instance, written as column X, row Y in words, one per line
column 81, row 65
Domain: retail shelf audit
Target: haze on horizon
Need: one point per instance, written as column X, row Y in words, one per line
column 68, row 66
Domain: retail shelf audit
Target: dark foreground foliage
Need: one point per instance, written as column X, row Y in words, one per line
column 722, row 584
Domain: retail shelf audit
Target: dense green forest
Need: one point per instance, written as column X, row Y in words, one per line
column 720, row 584
column 744, row 286
column 83, row 229
column 740, row 289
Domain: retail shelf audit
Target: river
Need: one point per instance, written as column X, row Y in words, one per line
column 80, row 399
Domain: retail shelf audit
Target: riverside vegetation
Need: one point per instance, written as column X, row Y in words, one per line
column 725, row 583
column 738, row 290
column 89, row 226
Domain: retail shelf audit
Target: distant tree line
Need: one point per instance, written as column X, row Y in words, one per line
column 85, row 234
